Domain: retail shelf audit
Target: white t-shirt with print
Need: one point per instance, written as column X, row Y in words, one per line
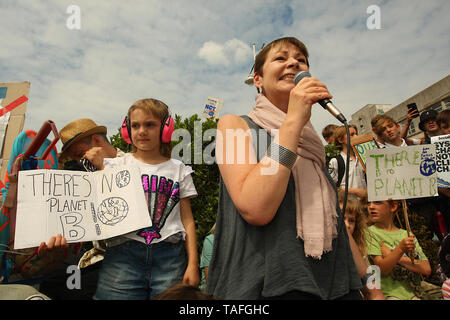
column 164, row 185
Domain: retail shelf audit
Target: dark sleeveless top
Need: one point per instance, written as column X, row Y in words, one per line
column 252, row 262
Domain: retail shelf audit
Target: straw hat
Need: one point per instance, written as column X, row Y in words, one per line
column 77, row 130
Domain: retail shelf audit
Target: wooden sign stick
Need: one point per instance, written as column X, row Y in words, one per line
column 408, row 228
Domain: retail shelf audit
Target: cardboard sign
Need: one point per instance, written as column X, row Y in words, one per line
column 361, row 145
column 13, row 106
column 402, row 173
column 81, row 206
column 212, row 108
column 442, row 144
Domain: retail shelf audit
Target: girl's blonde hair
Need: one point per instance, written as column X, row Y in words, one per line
column 159, row 110
column 355, row 207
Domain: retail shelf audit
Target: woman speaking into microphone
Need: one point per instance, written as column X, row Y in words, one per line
column 277, row 223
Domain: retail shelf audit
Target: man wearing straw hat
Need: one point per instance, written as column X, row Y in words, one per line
column 83, row 138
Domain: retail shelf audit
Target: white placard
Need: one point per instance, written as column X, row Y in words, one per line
column 402, row 173
column 212, row 108
column 82, row 206
column 442, row 144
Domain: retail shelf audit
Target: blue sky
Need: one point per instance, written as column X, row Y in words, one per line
column 184, row 51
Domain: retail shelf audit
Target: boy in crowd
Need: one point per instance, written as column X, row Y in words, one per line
column 328, row 131
column 429, row 125
column 387, row 132
column 331, row 150
column 443, row 121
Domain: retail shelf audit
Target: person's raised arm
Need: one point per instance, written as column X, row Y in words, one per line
column 410, row 116
column 257, row 196
column 256, row 190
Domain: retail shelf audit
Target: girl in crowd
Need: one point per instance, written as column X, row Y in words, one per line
column 276, row 231
column 142, row 264
column 356, row 223
column 388, row 246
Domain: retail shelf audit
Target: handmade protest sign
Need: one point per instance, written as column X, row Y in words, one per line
column 402, row 173
column 81, row 206
column 13, row 106
column 212, row 108
column 442, row 144
column 362, row 144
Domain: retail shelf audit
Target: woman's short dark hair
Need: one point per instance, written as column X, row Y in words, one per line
column 262, row 55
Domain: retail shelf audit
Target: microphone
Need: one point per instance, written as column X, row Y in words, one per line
column 325, row 103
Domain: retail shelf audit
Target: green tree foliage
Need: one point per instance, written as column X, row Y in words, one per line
column 118, row 142
column 331, row 151
column 205, row 176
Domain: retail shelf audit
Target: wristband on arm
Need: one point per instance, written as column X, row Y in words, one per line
column 282, row 155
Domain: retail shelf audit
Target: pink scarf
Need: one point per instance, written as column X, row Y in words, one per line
column 315, row 199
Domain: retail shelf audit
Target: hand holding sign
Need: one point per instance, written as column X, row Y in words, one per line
column 81, row 206
column 55, row 243
column 401, row 173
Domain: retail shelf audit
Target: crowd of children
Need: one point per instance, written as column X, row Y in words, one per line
column 132, row 269
column 376, row 226
column 278, row 236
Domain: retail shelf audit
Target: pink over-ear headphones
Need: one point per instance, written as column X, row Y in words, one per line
column 167, row 128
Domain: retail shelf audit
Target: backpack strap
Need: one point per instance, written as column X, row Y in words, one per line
column 341, row 169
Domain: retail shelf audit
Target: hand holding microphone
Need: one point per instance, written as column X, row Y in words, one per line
column 325, row 103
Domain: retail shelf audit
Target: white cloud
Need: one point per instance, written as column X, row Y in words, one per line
column 213, row 54
column 181, row 52
column 233, row 51
column 239, row 50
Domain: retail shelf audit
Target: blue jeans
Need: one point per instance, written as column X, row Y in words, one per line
column 136, row 271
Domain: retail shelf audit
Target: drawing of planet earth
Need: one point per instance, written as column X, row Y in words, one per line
column 112, row 210
column 123, row 178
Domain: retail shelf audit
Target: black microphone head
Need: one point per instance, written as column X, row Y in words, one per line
column 300, row 75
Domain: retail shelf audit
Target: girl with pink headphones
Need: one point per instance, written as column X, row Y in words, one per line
column 142, row 264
